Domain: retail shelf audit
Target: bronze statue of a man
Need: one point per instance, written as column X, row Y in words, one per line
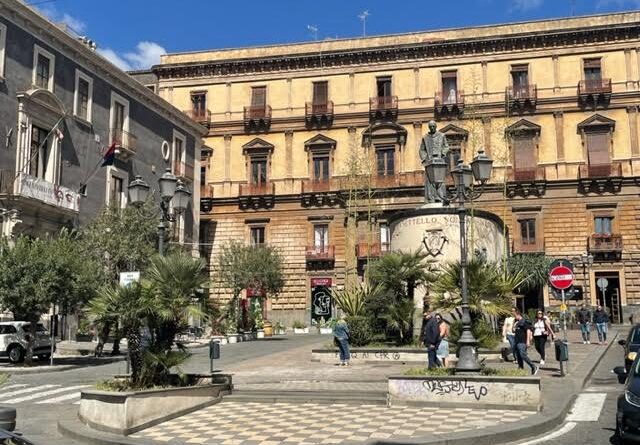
column 433, row 144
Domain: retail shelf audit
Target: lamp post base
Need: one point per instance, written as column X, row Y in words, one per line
column 467, row 356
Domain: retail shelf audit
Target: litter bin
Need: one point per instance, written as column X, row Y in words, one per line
column 562, row 351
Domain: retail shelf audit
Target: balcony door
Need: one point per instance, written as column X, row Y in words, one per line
column 321, row 168
column 598, row 148
column 258, row 101
column 258, row 172
column 320, row 93
column 524, row 157
column 450, row 87
column 39, row 152
column 592, row 70
column 520, row 80
column 320, row 238
column 385, row 160
column 383, row 85
column 198, row 103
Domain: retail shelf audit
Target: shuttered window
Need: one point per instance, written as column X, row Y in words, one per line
column 524, row 158
column 598, row 148
column 259, row 96
column 320, row 92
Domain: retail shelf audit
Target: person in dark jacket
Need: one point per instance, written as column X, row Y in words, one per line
column 601, row 319
column 431, row 339
column 583, row 316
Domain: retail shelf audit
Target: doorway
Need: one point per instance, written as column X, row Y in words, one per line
column 607, row 289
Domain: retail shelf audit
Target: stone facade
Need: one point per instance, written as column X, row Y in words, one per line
column 62, row 106
column 554, row 103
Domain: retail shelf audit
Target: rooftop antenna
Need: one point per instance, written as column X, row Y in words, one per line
column 313, row 29
column 363, row 17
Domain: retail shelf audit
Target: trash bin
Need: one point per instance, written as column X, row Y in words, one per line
column 562, row 351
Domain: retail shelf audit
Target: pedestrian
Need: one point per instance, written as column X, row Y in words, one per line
column 430, row 338
column 442, row 353
column 341, row 339
column 541, row 331
column 601, row 319
column 522, row 337
column 584, row 320
column 507, row 335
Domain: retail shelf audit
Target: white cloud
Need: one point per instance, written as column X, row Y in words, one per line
column 114, row 58
column 525, row 5
column 145, row 55
column 74, row 24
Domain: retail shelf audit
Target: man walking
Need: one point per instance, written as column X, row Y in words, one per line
column 584, row 320
column 431, row 339
column 601, row 318
column 523, row 333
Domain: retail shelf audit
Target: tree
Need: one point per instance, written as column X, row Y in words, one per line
column 241, row 266
column 38, row 273
column 351, row 300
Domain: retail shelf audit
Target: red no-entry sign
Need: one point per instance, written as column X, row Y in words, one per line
column 561, row 277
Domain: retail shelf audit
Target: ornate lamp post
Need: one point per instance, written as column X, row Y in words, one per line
column 463, row 176
column 586, row 261
column 173, row 194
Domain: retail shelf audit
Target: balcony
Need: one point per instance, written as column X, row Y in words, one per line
column 521, row 98
column 22, row 185
column 257, row 117
column 126, row 143
column 183, row 171
column 383, row 107
column 588, row 171
column 600, row 178
column 526, row 174
column 594, row 91
column 407, row 179
column 450, row 104
column 316, row 193
column 256, row 196
column 368, row 250
column 605, row 245
column 265, row 188
column 206, row 198
column 200, row 116
column 319, row 114
column 320, row 256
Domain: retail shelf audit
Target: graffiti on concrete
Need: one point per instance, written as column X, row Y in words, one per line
column 455, row 387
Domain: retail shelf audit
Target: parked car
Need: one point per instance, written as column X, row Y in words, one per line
column 13, row 341
column 8, row 438
column 628, row 412
column 631, row 346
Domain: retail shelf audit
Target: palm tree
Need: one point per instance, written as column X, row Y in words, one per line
column 175, row 281
column 398, row 318
column 490, row 288
column 351, row 300
column 130, row 306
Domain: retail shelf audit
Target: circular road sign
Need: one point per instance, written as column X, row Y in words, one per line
column 602, row 283
column 561, row 277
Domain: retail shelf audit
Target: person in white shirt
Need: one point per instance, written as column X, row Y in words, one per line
column 507, row 331
column 541, row 331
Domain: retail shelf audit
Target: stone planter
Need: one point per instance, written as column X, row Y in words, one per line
column 128, row 412
column 391, row 355
column 300, row 330
column 260, row 333
column 232, row 338
column 219, row 338
column 279, row 331
column 247, row 336
column 326, row 331
column 466, row 391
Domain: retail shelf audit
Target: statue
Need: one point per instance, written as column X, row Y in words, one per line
column 434, row 144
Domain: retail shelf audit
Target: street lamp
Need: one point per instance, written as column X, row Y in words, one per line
column 173, row 193
column 463, row 177
column 586, row 261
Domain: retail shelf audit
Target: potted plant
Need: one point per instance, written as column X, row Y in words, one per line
column 231, row 332
column 279, row 328
column 326, row 327
column 258, row 322
column 300, row 328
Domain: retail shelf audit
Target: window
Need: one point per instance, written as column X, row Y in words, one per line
column 3, row 43
column 383, row 85
column 179, row 155
column 321, row 237
column 321, row 168
column 118, row 116
column 7, row 329
column 385, row 161
column 598, row 147
column 450, row 87
column 524, row 156
column 257, row 236
column 119, row 119
column 39, row 152
column 520, row 80
column 259, row 97
column 203, row 175
column 603, row 225
column 320, row 93
column 385, row 237
column 199, row 103
column 527, row 231
column 258, row 171
column 453, row 156
column 116, row 192
column 83, row 97
column 592, row 70
column 43, row 68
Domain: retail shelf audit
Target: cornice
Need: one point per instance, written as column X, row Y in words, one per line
column 24, row 17
column 404, row 52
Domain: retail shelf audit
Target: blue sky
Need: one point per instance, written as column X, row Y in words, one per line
column 133, row 33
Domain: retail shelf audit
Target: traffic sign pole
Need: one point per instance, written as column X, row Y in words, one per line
column 564, row 320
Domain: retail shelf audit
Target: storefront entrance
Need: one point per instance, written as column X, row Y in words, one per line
column 607, row 289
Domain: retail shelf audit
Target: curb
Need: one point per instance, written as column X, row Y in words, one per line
column 545, row 421
column 58, row 368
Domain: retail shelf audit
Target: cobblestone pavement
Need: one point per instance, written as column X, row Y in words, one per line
column 233, row 423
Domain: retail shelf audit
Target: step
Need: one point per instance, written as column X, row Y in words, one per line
column 326, row 397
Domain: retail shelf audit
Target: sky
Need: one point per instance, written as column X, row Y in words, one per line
column 134, row 33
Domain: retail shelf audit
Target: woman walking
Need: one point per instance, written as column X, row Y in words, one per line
column 341, row 338
column 443, row 348
column 541, row 330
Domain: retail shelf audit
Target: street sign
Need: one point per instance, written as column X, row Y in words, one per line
column 602, row 283
column 126, row 278
column 563, row 307
column 561, row 277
